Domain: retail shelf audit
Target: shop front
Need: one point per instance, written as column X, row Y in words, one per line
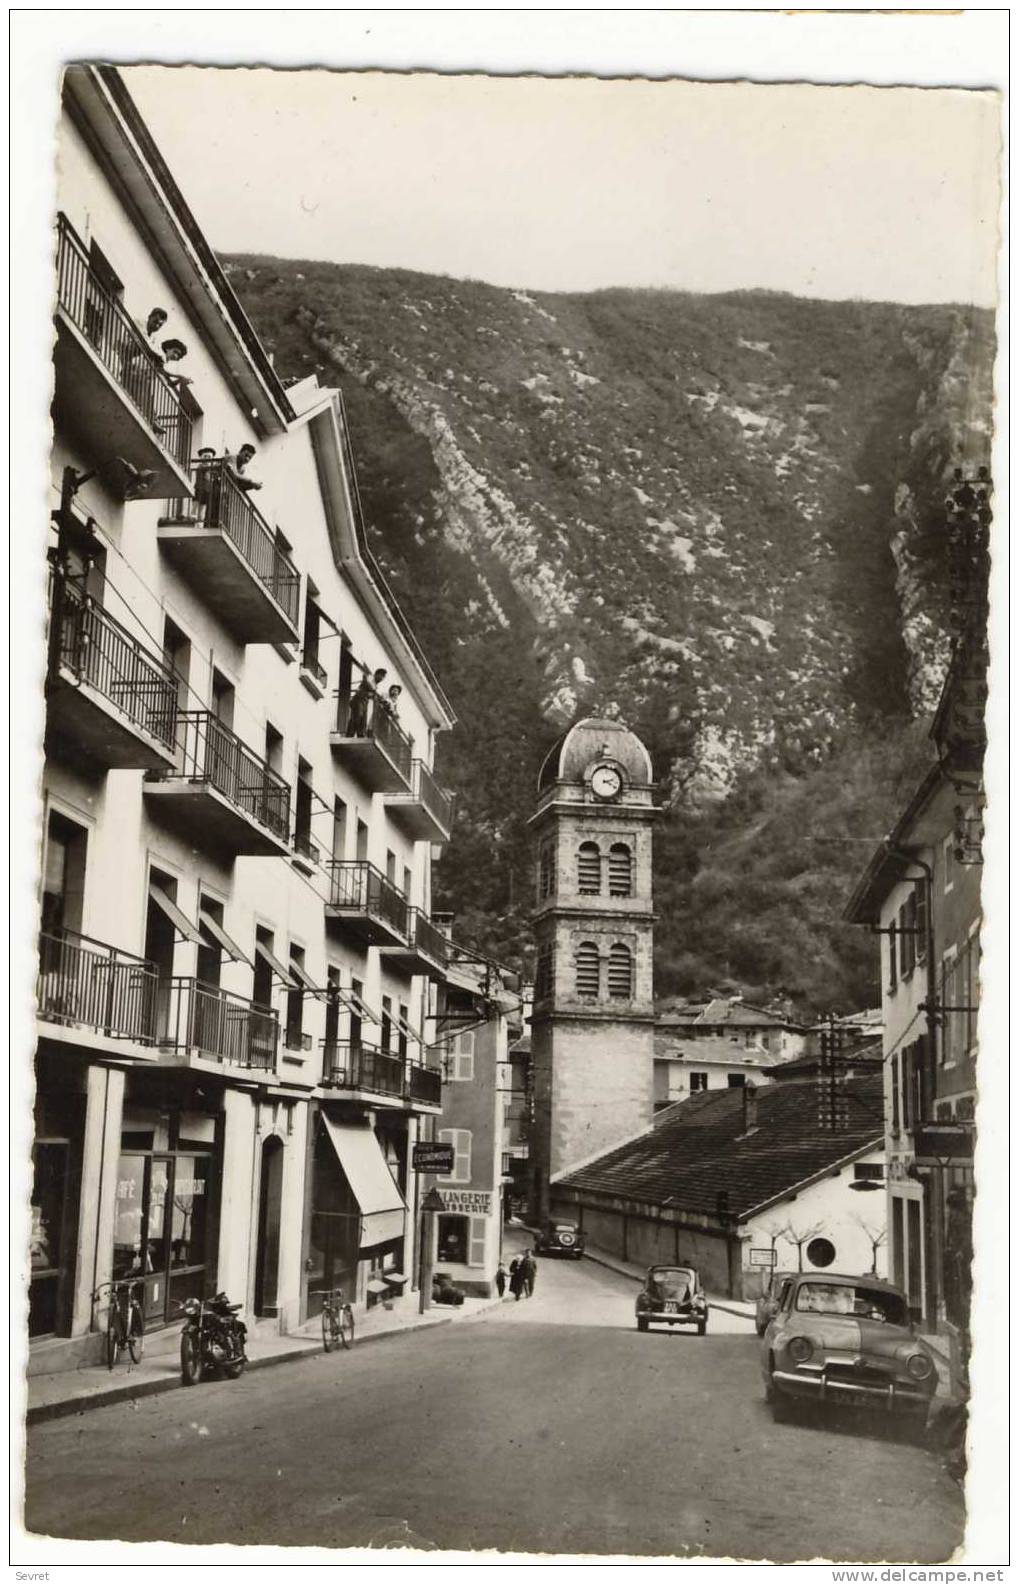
column 167, row 1197
column 56, row 1180
column 358, row 1216
column 467, row 1238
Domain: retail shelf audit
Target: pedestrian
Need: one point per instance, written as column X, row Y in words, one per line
column 529, row 1267
column 516, row 1281
column 500, row 1279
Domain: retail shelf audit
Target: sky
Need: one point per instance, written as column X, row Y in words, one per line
column 563, row 184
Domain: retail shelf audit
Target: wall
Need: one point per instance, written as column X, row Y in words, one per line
column 476, row 1105
column 837, row 1211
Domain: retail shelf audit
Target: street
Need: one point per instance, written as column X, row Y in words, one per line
column 545, row 1425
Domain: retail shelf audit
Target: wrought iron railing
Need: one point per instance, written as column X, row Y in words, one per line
column 424, row 1084
column 381, row 728
column 359, row 888
column 216, row 1024
column 209, row 752
column 101, row 653
column 428, row 938
column 220, row 502
column 426, row 790
column 82, row 981
column 355, row 1065
column 119, row 344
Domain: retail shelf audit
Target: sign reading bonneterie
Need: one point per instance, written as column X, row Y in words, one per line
column 469, row 1202
column 429, row 1157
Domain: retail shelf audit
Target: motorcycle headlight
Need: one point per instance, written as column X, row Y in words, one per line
column 920, row 1367
column 800, row 1349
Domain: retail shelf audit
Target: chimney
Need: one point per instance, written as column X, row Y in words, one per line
column 749, row 1093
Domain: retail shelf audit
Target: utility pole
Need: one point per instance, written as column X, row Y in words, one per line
column 431, row 1203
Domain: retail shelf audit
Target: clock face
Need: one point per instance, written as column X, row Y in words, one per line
column 606, row 782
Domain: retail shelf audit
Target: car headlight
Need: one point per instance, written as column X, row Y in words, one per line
column 800, row 1349
column 920, row 1367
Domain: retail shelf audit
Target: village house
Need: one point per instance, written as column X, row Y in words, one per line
column 723, row 1042
column 235, row 951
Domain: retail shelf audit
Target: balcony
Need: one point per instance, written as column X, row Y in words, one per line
column 424, row 1085
column 86, row 984
column 426, row 950
column 363, row 1068
column 110, row 393
column 108, row 699
column 221, row 544
column 198, row 1020
column 219, row 793
column 379, row 757
column 364, row 906
column 424, row 812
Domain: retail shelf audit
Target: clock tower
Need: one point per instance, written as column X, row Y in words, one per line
column 592, row 1022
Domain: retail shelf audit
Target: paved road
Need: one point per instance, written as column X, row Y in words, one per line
column 549, row 1425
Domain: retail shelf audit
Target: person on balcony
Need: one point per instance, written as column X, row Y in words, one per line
column 208, row 487
column 237, row 464
column 390, row 704
column 364, row 701
column 172, row 352
column 139, row 360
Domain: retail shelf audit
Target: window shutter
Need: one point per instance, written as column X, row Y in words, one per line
column 462, row 1160
column 920, row 906
column 903, row 939
column 893, row 977
column 620, row 971
column 895, row 1093
column 620, row 870
column 589, row 869
column 907, row 1087
column 476, row 1253
column 464, row 1058
column 587, row 964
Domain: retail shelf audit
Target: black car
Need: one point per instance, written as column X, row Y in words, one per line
column 672, row 1296
column 559, row 1237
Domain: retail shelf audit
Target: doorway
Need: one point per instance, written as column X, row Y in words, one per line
column 270, row 1203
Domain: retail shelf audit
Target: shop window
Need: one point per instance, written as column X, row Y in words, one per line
column 620, row 971
column 460, row 1139
column 620, row 870
column 821, row 1252
column 588, row 869
column 588, row 969
column 47, row 1250
column 453, row 1240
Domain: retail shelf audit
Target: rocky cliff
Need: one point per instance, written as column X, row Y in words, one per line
column 718, row 516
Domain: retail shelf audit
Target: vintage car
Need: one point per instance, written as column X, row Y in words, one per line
column 769, row 1302
column 672, row 1296
column 559, row 1237
column 847, row 1341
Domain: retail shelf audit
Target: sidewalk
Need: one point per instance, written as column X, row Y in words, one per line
column 94, row 1386
column 625, row 1268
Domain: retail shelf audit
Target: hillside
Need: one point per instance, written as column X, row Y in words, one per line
column 715, row 515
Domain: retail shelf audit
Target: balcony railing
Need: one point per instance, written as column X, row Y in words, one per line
column 209, row 752
column 359, row 888
column 357, row 1066
column 424, row 1084
column 426, row 789
column 220, row 502
column 119, row 344
column 217, row 1025
column 381, row 729
column 101, row 653
column 87, row 982
column 429, row 939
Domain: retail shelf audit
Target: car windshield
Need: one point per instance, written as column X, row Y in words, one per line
column 672, row 1282
column 846, row 1298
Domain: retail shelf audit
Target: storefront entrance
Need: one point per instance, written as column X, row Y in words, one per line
column 270, row 1203
column 335, row 1229
column 56, row 1180
column 167, row 1183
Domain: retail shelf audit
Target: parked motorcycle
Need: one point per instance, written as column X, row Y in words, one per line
column 213, row 1339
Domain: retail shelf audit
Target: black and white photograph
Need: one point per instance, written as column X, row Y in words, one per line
column 512, row 839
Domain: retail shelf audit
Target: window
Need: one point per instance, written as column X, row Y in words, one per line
column 950, row 997
column 736, row 1081
column 588, row 869
column 920, row 920
column 907, row 937
column 893, row 976
column 303, row 798
column 295, row 1001
column 386, row 1030
column 895, row 1094
column 312, row 628
column 460, row 1139
column 63, row 887
column 869, row 1171
column 970, row 989
column 452, row 1240
column 948, row 862
column 339, row 829
column 261, row 987
column 544, row 972
column 273, row 747
column 620, row 971
column 222, row 699
column 177, row 655
column 546, row 871
column 698, row 1081
column 461, row 1057
column 821, row 1252
column 620, row 870
column 587, row 969
column 210, row 953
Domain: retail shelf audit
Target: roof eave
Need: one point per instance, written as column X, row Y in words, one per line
column 882, row 873
column 815, row 1177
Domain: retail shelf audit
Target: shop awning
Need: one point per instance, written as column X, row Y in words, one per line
column 181, row 923
column 281, row 973
column 217, row 933
column 383, row 1211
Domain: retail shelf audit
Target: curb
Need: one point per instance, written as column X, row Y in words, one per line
column 127, row 1390
column 713, row 1304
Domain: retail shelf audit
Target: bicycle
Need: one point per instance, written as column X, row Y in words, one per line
column 337, row 1319
column 125, row 1319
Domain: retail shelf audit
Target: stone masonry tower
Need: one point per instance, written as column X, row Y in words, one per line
column 592, row 1024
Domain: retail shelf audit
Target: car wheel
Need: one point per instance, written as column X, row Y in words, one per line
column 642, row 1324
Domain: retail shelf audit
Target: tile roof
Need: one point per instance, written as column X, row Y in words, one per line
column 702, row 1149
column 712, row 1049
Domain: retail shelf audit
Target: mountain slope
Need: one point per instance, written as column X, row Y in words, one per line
column 715, row 515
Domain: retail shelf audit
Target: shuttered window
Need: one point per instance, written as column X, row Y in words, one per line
column 546, row 870
column 476, row 1254
column 920, row 921
column 620, row 870
column 587, row 969
column 461, row 1067
column 460, row 1139
column 620, row 971
column 588, row 869
column 895, row 1093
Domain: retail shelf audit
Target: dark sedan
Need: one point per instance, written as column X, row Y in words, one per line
column 672, row 1296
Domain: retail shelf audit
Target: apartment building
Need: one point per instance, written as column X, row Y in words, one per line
column 236, row 951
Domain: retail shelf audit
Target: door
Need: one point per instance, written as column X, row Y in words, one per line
column 269, row 1212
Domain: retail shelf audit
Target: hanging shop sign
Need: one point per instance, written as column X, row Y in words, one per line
column 428, row 1157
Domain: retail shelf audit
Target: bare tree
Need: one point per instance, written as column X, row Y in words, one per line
column 800, row 1236
column 877, row 1237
